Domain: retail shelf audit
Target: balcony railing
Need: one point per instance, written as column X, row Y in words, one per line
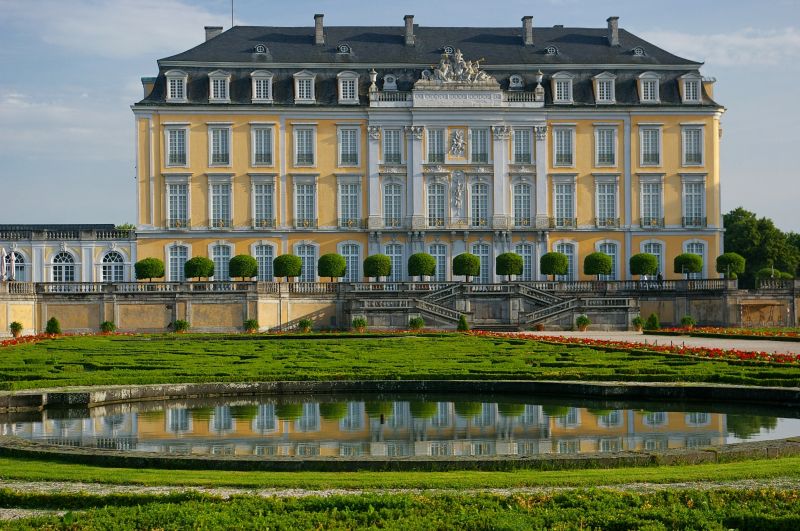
column 305, row 223
column 694, row 221
column 606, row 222
column 649, row 222
column 521, row 223
column 94, row 234
column 395, row 223
column 352, row 223
column 563, row 223
column 179, row 223
column 520, row 97
column 390, row 98
column 221, row 223
column 479, row 222
column 263, row 223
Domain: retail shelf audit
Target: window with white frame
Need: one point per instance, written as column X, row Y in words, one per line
column 694, row 212
column 522, row 146
column 351, row 252
column 305, row 204
column 304, row 146
column 563, row 146
column 392, row 205
column 221, row 256
column 265, row 421
column 308, row 256
column 525, row 250
column 648, row 87
column 479, row 203
column 606, row 193
column 63, row 267
column 264, row 255
column 692, row 146
column 610, row 249
column 263, row 205
column 479, row 147
column 304, row 87
column 605, row 144
column 176, row 146
column 604, row 88
column 650, row 145
column 349, row 203
column 437, row 204
column 113, row 267
column 178, row 420
column 220, row 204
column 219, row 146
column 176, row 86
column 657, row 250
column 564, row 204
column 562, row 88
column 261, row 82
column 348, row 87
column 522, row 205
column 483, row 252
column 392, row 150
column 691, row 89
column 262, row 145
column 178, row 255
column 652, row 210
column 395, row 253
column 439, row 253
column 177, row 205
column 436, row 145
column 218, row 87
column 567, row 249
column 348, row 146
column 699, row 249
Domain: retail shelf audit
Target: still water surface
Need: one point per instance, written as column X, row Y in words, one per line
column 396, row 426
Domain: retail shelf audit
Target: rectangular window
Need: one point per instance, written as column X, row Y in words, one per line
column 694, row 204
column 691, row 91
column 562, row 138
column 220, row 146
column 650, row 90
column 262, row 89
column 262, row 146
column 650, row 146
column 305, row 89
column 563, row 91
column 605, row 91
column 480, row 145
column 220, row 205
column 437, row 201
column 651, row 204
column 392, row 201
column 348, row 147
column 435, row 145
column 219, row 89
column 176, row 147
column 522, row 205
column 306, row 204
column 177, row 89
column 263, row 201
column 178, row 205
column 349, row 195
column 391, row 146
column 348, row 90
column 522, row 146
column 564, row 208
column 480, row 205
column 692, row 146
column 304, row 147
column 606, row 204
column 605, row 146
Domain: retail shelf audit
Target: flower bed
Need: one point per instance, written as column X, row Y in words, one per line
column 772, row 334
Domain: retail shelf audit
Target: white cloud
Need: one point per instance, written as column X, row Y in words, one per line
column 745, row 47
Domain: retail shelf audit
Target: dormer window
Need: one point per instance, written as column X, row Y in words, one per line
column 690, row 88
column 304, row 87
column 515, row 82
column 648, row 87
column 551, row 50
column 604, row 88
column 562, row 87
column 389, row 82
column 262, row 86
column 448, row 50
column 343, row 49
column 176, row 86
column 348, row 87
column 218, row 87
column 260, row 48
column 638, row 52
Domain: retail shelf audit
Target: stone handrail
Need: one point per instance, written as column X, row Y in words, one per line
column 69, row 287
column 312, row 287
column 147, row 287
column 550, row 311
column 436, row 309
column 18, row 288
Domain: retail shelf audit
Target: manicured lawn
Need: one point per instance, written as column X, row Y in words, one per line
column 105, row 360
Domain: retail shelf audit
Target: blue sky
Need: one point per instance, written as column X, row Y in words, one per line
column 71, row 71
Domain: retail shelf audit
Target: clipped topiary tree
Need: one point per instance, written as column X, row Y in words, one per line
column 652, row 322
column 331, row 265
column 52, row 327
column 197, row 267
column 467, row 264
column 149, row 268
column 597, row 264
column 333, row 410
column 421, row 265
column 688, row 263
column 771, row 272
column 730, row 264
column 377, row 266
column 508, row 264
column 643, row 264
column 243, row 266
column 553, row 263
column 287, row 265
column 463, row 326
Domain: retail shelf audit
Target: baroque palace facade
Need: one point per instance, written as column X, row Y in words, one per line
column 397, row 140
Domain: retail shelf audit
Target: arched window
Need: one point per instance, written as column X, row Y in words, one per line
column 569, row 250
column 482, row 251
column 395, row 253
column 657, row 250
column 221, row 255
column 609, row 248
column 63, row 267
column 439, row 253
column 699, row 249
column 525, row 250
column 18, row 272
column 112, row 267
column 522, row 205
column 480, row 205
column 352, row 257
column 392, row 205
column 178, row 255
column 308, row 254
column 264, row 256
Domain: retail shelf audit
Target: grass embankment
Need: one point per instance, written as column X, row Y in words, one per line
column 109, row 360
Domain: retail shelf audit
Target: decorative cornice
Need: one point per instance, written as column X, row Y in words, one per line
column 541, row 132
column 414, row 131
column 501, row 132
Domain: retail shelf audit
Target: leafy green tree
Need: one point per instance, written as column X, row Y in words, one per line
column 597, row 264
column 421, row 409
column 333, row 410
column 688, row 263
column 467, row 264
column 745, row 426
column 421, row 265
column 468, row 410
column 508, row 264
column 643, row 264
column 287, row 265
column 197, row 267
column 771, row 272
column 510, row 410
column 331, row 265
column 149, row 268
column 554, row 263
column 730, row 264
column 243, row 266
column 53, row 326
column 377, row 266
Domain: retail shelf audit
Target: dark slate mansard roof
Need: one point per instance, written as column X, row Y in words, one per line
column 502, row 49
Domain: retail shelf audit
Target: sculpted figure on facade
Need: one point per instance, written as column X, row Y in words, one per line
column 458, row 191
column 456, row 69
column 457, row 143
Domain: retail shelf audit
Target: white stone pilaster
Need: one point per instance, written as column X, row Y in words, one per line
column 415, row 179
column 540, row 133
column 374, row 220
column 500, row 211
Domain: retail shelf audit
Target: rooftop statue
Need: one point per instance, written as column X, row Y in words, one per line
column 454, row 69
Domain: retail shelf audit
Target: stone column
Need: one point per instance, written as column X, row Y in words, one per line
column 540, row 132
column 415, row 180
column 500, row 211
column 374, row 220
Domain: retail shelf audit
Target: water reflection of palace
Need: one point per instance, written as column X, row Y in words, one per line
column 440, row 429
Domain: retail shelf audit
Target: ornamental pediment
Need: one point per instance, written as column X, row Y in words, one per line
column 456, row 82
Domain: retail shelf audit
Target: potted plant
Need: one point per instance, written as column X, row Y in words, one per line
column 107, row 327
column 250, row 326
column 180, row 326
column 638, row 323
column 16, row 328
column 416, row 323
column 688, row 322
column 582, row 322
column 652, row 322
column 359, row 324
column 463, row 326
column 304, row 325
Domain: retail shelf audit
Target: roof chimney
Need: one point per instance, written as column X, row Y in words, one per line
column 613, row 31
column 409, row 29
column 319, row 36
column 527, row 30
column 212, row 31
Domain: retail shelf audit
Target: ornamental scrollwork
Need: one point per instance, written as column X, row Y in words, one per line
column 414, row 131
column 374, row 132
column 541, row 132
column 501, row 132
